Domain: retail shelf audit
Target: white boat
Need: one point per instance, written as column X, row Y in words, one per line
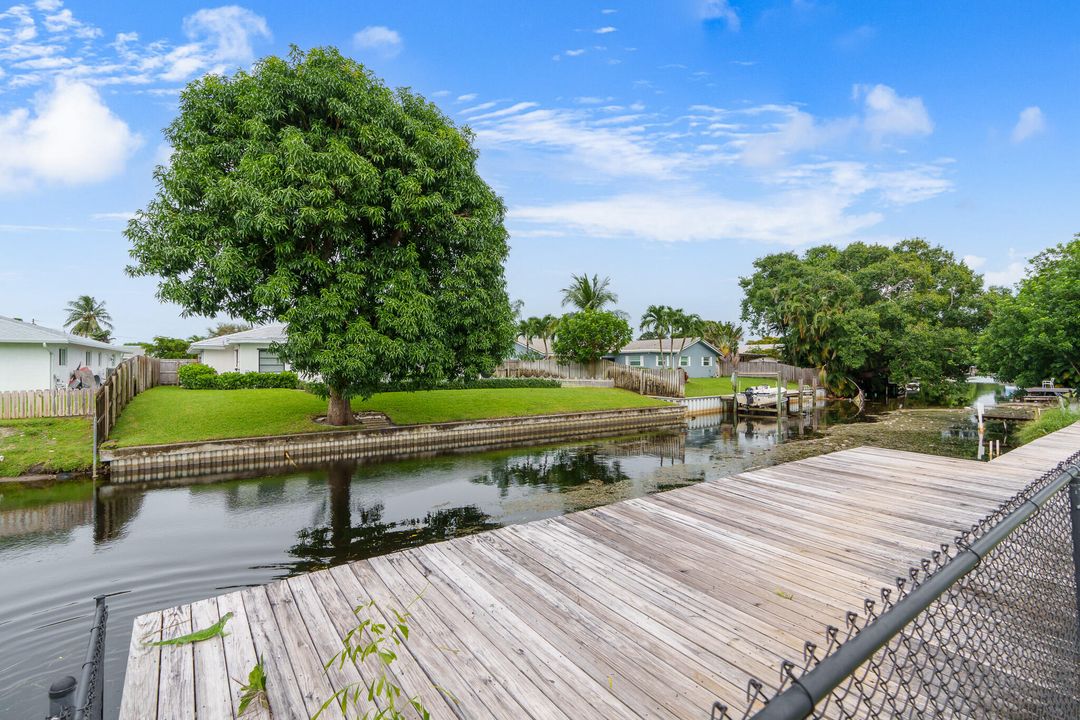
column 756, row 396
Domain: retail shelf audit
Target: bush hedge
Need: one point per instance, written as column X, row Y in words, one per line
column 319, row 389
column 202, row 377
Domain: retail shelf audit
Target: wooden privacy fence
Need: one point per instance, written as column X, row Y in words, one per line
column 20, row 404
column 665, row 382
column 787, row 373
column 130, row 378
column 169, row 371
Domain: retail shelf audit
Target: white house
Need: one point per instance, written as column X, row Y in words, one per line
column 247, row 351
column 33, row 357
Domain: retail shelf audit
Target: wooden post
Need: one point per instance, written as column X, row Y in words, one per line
column 781, row 399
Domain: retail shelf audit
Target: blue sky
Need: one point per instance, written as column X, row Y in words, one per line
column 664, row 144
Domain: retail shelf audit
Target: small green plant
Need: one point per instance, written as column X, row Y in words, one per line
column 372, row 638
column 253, row 692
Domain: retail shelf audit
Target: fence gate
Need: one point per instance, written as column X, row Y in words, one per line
column 169, row 371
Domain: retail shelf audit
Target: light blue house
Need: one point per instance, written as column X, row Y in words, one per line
column 529, row 349
column 698, row 358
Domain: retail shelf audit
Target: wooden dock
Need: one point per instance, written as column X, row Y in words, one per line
column 647, row 608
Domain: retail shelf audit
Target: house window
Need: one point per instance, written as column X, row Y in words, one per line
column 684, row 361
column 99, row 359
column 634, row 361
column 664, row 361
column 89, row 358
column 706, row 361
column 61, row 357
column 269, row 362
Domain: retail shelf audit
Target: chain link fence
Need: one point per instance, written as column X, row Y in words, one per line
column 985, row 628
column 83, row 699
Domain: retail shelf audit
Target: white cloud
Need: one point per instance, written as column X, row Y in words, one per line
column 478, row 108
column 605, row 30
column 884, row 115
column 125, row 215
column 513, row 109
column 790, row 218
column 801, row 131
column 888, row 114
column 974, row 261
column 64, row 21
column 70, row 137
column 219, row 40
column 22, row 27
column 615, row 151
column 467, row 97
column 575, row 53
column 1031, row 122
column 379, row 38
column 1009, row 276
column 608, row 11
column 720, row 10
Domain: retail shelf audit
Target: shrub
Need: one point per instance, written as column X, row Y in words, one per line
column 201, row 377
column 1049, row 421
column 196, row 376
column 317, row 388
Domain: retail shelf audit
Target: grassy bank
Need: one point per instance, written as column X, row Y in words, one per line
column 170, row 414
column 699, row 387
column 1049, row 421
column 45, row 445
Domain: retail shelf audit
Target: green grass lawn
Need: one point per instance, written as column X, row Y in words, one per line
column 171, row 414
column 45, row 445
column 698, row 387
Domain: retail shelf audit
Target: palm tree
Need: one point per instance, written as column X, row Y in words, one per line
column 88, row 317
column 546, row 329
column 587, row 293
column 685, row 325
column 724, row 336
column 658, row 320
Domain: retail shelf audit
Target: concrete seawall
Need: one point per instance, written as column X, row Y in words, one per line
column 250, row 456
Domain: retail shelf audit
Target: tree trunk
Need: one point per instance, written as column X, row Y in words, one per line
column 340, row 410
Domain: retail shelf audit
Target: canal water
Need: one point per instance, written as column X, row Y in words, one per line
column 149, row 549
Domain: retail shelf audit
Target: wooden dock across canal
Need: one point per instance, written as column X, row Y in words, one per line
column 647, row 608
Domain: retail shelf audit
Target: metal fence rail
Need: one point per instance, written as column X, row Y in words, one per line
column 985, row 627
column 84, row 699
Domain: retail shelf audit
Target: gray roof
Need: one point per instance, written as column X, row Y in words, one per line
column 653, row 346
column 537, row 345
column 17, row 331
column 265, row 334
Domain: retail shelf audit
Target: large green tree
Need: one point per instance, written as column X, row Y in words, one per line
column 1035, row 334
column 307, row 191
column 871, row 314
column 588, row 335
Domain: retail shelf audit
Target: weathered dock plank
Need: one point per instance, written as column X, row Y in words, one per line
column 647, row 608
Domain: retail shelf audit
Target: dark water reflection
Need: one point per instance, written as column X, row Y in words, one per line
column 155, row 548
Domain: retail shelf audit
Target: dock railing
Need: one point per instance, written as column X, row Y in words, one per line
column 985, row 627
column 83, row 699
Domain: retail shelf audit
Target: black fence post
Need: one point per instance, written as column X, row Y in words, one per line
column 62, row 698
column 1074, row 517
